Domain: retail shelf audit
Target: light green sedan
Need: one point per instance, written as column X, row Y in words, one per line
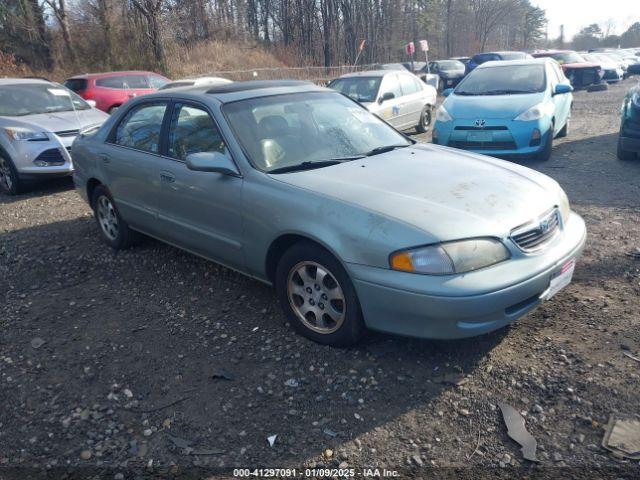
column 357, row 226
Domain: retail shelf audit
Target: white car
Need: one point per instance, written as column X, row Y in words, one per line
column 39, row 120
column 396, row 96
column 196, row 82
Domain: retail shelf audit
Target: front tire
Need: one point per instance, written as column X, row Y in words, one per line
column 624, row 155
column 9, row 180
column 115, row 232
column 318, row 297
column 564, row 131
column 426, row 117
column 545, row 153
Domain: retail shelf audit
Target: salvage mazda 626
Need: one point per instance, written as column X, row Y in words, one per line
column 356, row 225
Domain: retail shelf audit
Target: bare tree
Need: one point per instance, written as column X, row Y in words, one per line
column 59, row 8
column 151, row 10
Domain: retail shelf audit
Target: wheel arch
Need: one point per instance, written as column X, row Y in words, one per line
column 284, row 242
column 92, row 184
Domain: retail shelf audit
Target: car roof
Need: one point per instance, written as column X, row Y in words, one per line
column 112, row 74
column 24, row 81
column 231, row 92
column 524, row 61
column 373, row 73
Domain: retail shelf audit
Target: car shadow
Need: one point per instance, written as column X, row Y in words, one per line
column 209, row 350
column 39, row 189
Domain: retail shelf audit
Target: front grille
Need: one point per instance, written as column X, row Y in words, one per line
column 52, row 156
column 467, row 145
column 474, row 128
column 68, row 133
column 535, row 235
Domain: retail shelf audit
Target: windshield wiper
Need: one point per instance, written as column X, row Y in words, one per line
column 306, row 166
column 384, row 149
column 507, row 92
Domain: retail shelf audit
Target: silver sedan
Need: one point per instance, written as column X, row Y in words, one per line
column 356, row 225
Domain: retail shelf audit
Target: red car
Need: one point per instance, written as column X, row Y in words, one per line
column 110, row 90
column 581, row 74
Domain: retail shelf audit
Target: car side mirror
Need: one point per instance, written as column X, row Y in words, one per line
column 562, row 89
column 386, row 96
column 211, row 162
column 447, row 91
column 91, row 103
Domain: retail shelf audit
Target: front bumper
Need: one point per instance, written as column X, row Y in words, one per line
column 498, row 137
column 43, row 159
column 458, row 306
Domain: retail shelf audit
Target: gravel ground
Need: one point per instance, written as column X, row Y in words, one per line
column 153, row 361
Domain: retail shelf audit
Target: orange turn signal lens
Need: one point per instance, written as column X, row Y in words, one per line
column 402, row 261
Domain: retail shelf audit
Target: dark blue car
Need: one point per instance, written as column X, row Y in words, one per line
column 481, row 58
column 629, row 138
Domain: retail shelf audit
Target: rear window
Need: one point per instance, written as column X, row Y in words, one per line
column 485, row 57
column 514, row 56
column 169, row 85
column 76, row 84
column 123, row 82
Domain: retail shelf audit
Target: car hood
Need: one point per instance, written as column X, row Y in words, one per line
column 490, row 106
column 60, row 121
column 446, row 193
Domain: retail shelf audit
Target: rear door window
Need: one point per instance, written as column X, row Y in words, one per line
column 124, row 82
column 141, row 127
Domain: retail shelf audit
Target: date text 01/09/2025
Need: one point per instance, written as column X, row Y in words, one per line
column 315, row 473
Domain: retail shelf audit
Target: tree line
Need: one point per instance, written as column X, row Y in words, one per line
column 111, row 34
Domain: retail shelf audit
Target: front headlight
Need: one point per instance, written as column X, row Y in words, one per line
column 451, row 257
column 24, row 134
column 442, row 115
column 564, row 207
column 536, row 112
column 635, row 98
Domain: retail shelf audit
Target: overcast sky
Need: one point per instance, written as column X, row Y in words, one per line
column 575, row 14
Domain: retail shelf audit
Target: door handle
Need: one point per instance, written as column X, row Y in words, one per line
column 167, row 177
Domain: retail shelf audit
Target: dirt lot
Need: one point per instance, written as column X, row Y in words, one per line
column 128, row 377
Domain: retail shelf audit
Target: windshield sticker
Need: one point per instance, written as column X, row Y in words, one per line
column 58, row 92
column 361, row 115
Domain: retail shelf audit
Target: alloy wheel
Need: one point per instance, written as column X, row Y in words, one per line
column 107, row 218
column 316, row 297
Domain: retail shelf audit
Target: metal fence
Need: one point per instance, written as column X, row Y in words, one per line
column 319, row 75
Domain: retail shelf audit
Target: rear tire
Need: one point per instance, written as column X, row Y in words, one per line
column 426, row 118
column 10, row 183
column 114, row 231
column 318, row 297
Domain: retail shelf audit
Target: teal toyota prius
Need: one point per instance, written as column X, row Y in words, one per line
column 356, row 225
column 509, row 109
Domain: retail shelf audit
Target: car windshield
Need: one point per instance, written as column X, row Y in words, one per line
column 450, row 65
column 503, row 80
column 305, row 130
column 361, row 89
column 567, row 57
column 30, row 99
